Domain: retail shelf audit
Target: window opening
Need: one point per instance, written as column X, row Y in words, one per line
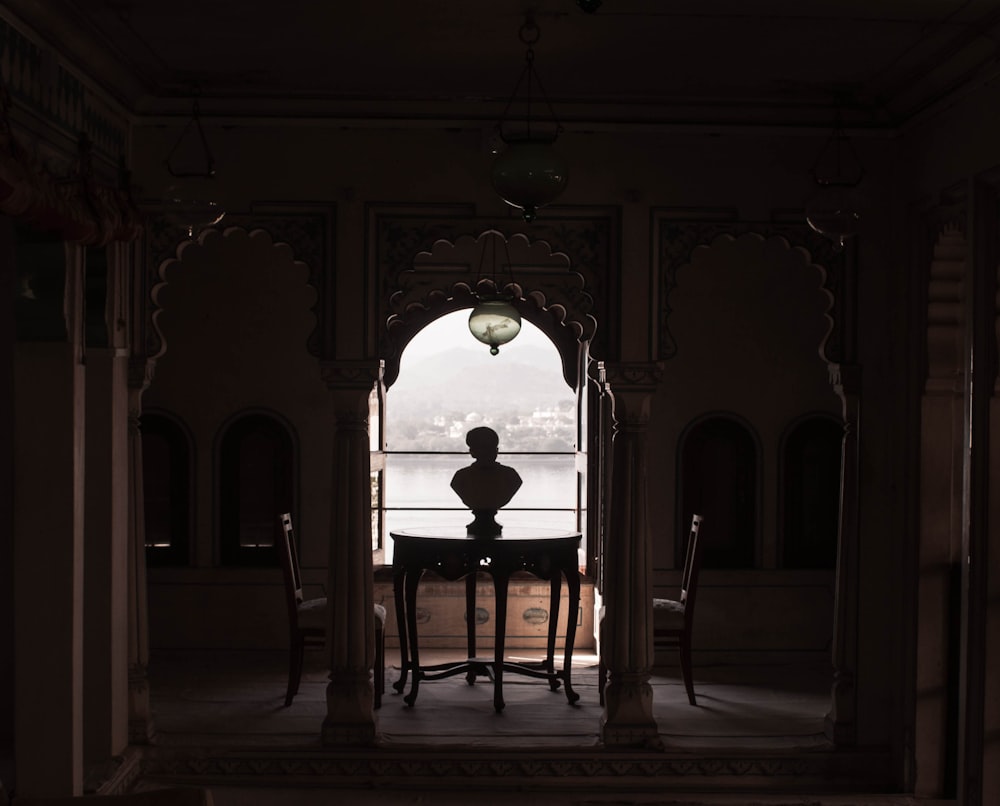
column 811, row 493
column 166, row 484
column 448, row 385
column 719, row 482
column 255, row 483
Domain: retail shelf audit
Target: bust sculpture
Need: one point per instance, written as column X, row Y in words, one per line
column 486, row 485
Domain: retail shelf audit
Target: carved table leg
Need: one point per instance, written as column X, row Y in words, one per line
column 555, row 591
column 398, row 578
column 412, row 581
column 573, row 585
column 470, row 623
column 500, row 583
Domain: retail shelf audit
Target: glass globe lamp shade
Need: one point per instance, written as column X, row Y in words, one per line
column 529, row 174
column 832, row 214
column 190, row 206
column 494, row 322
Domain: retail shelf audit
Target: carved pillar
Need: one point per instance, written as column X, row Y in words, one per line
column 106, row 519
column 140, row 717
column 981, row 369
column 627, row 647
column 841, row 721
column 938, row 579
column 350, row 716
column 991, row 715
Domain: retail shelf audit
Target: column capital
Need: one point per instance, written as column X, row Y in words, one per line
column 632, row 376
column 631, row 386
column 140, row 372
column 351, row 373
column 845, row 378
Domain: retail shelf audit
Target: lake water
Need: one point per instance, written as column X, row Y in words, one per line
column 418, row 492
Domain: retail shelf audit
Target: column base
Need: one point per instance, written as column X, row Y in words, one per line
column 140, row 719
column 350, row 714
column 628, row 715
column 839, row 725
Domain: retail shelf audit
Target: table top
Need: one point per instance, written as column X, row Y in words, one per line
column 510, row 533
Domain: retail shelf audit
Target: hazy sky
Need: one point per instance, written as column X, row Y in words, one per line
column 452, row 330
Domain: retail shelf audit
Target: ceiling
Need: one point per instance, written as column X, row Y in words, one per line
column 881, row 64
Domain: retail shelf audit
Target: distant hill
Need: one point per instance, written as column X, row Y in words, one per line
column 469, row 379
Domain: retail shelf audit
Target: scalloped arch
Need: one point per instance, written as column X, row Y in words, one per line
column 157, row 340
column 550, row 295
column 680, row 245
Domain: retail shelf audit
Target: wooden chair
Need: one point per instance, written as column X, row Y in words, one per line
column 307, row 619
column 673, row 619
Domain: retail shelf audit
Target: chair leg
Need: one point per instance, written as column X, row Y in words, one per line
column 379, row 665
column 296, row 650
column 686, row 667
column 602, row 679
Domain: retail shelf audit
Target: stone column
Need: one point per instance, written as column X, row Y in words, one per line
column 350, row 716
column 981, row 307
column 49, row 384
column 841, row 721
column 627, row 648
column 938, row 577
column 140, row 717
column 106, row 532
column 991, row 715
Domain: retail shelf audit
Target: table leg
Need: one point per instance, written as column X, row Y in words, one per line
column 573, row 586
column 412, row 581
column 398, row 578
column 555, row 591
column 470, row 623
column 500, row 584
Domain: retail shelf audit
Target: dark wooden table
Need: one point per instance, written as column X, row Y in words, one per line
column 545, row 553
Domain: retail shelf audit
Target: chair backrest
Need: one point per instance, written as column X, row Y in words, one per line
column 692, row 565
column 290, row 567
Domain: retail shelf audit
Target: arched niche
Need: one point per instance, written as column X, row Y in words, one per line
column 718, row 462
column 308, row 231
column 236, row 268
column 682, row 238
column 677, row 240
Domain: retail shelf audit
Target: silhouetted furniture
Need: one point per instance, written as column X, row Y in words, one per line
column 673, row 619
column 452, row 553
column 307, row 619
column 170, row 796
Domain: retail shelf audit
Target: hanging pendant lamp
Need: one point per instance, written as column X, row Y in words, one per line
column 494, row 321
column 528, row 173
column 190, row 201
column 833, row 212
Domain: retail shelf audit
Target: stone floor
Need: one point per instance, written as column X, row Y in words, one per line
column 755, row 737
column 213, row 698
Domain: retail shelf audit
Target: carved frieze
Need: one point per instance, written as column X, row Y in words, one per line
column 638, row 768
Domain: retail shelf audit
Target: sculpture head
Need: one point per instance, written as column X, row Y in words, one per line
column 485, row 485
column 483, row 442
